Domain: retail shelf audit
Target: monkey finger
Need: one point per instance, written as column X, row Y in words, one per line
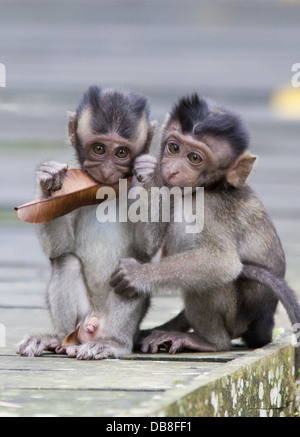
column 53, row 167
column 144, row 169
column 115, row 272
column 128, row 262
column 31, row 349
column 150, row 345
column 130, row 292
column 121, row 287
column 50, row 176
column 88, row 351
column 116, row 278
column 143, row 165
column 44, row 180
column 143, row 176
column 21, row 347
column 153, row 348
column 60, row 350
column 54, row 177
column 175, row 346
column 145, row 160
column 49, row 344
column 71, row 351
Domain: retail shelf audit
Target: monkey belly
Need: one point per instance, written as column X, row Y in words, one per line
column 99, row 246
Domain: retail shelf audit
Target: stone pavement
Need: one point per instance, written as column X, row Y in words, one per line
column 134, row 385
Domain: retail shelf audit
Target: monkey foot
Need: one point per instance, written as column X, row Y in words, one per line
column 34, row 346
column 175, row 342
column 97, row 351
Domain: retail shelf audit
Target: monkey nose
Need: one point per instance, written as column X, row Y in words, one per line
column 107, row 173
column 173, row 173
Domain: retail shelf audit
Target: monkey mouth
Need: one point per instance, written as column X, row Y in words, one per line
column 173, row 180
column 109, row 180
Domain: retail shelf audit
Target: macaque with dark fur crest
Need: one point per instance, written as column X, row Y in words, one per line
column 232, row 273
column 108, row 131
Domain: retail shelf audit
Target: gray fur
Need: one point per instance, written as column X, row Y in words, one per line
column 221, row 301
column 85, row 252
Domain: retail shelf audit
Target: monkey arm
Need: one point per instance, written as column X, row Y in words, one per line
column 196, row 269
column 147, row 240
column 147, row 236
column 57, row 237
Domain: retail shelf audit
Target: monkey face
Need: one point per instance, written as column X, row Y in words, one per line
column 108, row 158
column 186, row 161
column 204, row 144
column 106, row 155
column 190, row 162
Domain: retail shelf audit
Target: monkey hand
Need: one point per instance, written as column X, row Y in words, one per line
column 129, row 278
column 144, row 168
column 50, row 176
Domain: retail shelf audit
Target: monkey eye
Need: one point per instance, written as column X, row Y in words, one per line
column 122, row 153
column 99, row 149
column 173, row 148
column 195, row 158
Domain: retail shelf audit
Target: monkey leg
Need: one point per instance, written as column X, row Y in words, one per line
column 68, row 303
column 255, row 314
column 67, row 295
column 211, row 314
column 175, row 342
column 119, row 321
column 260, row 331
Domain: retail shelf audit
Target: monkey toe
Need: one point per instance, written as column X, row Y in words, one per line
column 71, row 351
column 88, row 351
column 100, row 351
column 32, row 346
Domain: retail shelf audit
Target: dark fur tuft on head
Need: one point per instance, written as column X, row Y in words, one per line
column 114, row 111
column 189, row 111
column 199, row 118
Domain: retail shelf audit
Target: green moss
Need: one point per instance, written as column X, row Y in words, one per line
column 263, row 388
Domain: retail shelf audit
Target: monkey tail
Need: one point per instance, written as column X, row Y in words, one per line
column 279, row 286
column 282, row 291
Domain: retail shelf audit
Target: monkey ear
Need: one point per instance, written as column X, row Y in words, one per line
column 72, row 127
column 71, row 338
column 238, row 174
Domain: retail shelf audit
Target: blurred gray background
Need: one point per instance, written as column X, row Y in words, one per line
column 237, row 52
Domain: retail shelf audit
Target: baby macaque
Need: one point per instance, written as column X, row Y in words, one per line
column 108, row 131
column 231, row 274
